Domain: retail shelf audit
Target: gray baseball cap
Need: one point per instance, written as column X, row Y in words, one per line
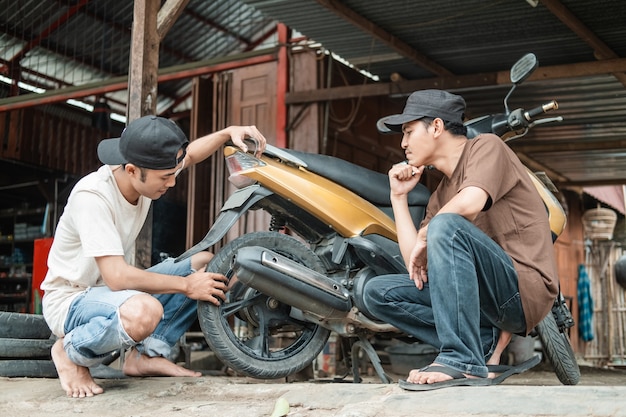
column 425, row 103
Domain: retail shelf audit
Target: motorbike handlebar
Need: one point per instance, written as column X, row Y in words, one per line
column 544, row 108
column 519, row 121
column 523, row 119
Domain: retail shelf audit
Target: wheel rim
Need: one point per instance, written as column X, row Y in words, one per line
column 260, row 325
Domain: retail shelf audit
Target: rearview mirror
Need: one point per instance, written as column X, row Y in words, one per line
column 523, row 68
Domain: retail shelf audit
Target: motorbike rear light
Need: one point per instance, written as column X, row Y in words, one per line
column 237, row 164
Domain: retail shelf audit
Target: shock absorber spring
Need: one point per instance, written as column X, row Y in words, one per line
column 277, row 223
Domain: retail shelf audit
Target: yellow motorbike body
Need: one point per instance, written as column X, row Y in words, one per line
column 346, row 212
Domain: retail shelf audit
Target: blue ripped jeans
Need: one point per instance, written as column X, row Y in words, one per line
column 471, row 293
column 93, row 328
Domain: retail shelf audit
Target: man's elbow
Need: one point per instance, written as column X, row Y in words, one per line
column 114, row 272
column 471, row 216
column 115, row 283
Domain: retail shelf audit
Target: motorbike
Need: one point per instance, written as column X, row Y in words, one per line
column 331, row 229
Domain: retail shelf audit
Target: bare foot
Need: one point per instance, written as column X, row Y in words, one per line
column 419, row 376
column 136, row 364
column 75, row 380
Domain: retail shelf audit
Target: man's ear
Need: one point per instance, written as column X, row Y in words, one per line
column 438, row 126
column 131, row 169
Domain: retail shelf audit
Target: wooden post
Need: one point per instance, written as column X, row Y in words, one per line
column 282, row 85
column 150, row 25
column 144, row 60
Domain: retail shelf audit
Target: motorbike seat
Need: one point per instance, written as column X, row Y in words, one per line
column 371, row 185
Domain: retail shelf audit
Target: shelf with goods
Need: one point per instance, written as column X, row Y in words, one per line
column 19, row 228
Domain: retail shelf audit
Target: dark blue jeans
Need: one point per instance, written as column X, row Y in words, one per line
column 471, row 293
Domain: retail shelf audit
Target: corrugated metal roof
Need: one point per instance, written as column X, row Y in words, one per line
column 466, row 37
column 93, row 42
column 462, row 37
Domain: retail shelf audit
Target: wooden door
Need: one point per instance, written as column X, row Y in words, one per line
column 254, row 103
column 254, row 98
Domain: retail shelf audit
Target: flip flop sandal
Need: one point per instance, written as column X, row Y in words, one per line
column 458, row 379
column 506, row 371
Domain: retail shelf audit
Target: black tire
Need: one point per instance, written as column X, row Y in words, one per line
column 28, row 369
column 254, row 354
column 23, row 326
column 39, row 368
column 25, row 348
column 558, row 350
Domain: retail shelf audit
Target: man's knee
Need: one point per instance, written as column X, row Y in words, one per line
column 372, row 294
column 200, row 260
column 443, row 225
column 140, row 315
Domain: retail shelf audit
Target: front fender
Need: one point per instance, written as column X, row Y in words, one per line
column 237, row 204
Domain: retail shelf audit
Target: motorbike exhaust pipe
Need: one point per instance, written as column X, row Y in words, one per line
column 290, row 282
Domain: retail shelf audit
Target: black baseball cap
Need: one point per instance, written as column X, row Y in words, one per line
column 425, row 103
column 151, row 142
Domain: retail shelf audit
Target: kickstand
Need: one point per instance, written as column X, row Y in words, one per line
column 367, row 347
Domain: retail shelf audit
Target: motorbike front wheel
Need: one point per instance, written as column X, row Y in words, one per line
column 252, row 332
column 557, row 347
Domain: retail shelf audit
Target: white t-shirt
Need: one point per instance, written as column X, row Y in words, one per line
column 97, row 221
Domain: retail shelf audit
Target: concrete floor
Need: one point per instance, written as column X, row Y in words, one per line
column 534, row 393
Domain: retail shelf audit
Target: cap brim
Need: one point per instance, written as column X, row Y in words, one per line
column 109, row 152
column 393, row 123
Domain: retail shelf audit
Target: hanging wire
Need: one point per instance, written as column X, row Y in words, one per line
column 349, row 120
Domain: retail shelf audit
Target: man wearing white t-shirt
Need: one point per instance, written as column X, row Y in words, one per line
column 95, row 300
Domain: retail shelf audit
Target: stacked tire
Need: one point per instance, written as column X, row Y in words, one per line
column 25, row 343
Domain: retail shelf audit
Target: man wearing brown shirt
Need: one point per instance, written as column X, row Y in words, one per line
column 481, row 265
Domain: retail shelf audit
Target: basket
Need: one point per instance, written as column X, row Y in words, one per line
column 599, row 223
